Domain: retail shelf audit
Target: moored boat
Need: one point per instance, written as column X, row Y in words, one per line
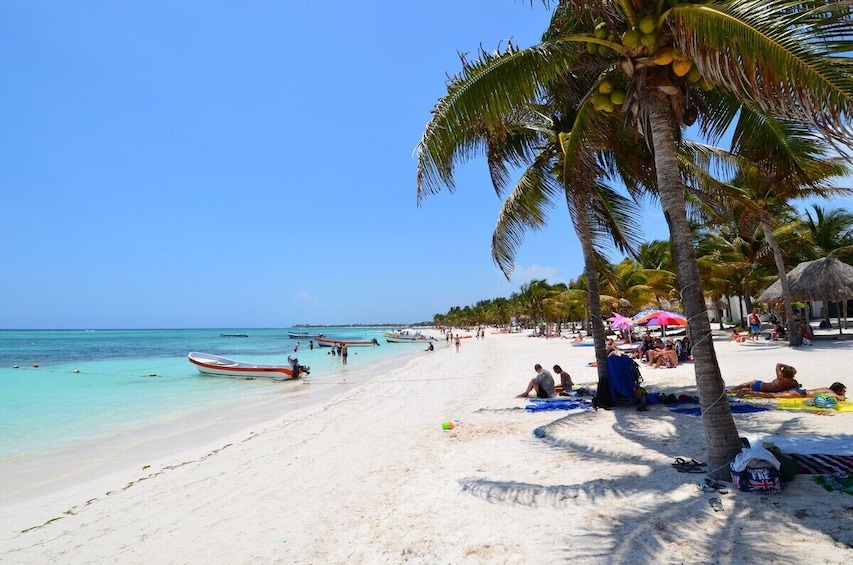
column 210, row 364
column 406, row 336
column 303, row 335
column 332, row 342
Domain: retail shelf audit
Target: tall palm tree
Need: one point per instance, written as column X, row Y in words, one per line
column 549, row 136
column 670, row 63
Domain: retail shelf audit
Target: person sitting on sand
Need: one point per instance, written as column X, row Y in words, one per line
column 838, row 389
column 666, row 357
column 784, row 381
column 542, row 383
column 566, row 383
column 738, row 337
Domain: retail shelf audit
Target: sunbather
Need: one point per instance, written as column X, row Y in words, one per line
column 838, row 389
column 784, row 381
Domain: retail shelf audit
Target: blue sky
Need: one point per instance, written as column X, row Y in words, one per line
column 245, row 164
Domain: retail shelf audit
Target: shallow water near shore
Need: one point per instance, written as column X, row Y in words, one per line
column 94, row 397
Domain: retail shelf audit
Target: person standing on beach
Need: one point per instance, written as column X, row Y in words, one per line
column 565, row 380
column 542, row 383
column 344, row 353
column 754, row 324
column 457, row 343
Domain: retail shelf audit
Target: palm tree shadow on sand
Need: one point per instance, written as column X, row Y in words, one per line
column 663, row 516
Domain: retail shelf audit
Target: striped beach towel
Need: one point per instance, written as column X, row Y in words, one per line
column 822, row 464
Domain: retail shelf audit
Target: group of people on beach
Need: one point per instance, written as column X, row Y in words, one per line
column 544, row 386
column 786, row 386
column 658, row 353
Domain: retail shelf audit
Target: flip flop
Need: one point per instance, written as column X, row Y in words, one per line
column 716, row 504
column 688, row 468
column 710, row 485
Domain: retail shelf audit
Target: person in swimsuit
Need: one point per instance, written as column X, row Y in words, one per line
column 784, row 381
column 838, row 389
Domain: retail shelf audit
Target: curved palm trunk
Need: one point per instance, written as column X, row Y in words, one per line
column 794, row 336
column 720, row 432
column 585, row 236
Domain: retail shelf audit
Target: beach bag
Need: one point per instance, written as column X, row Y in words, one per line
column 764, row 480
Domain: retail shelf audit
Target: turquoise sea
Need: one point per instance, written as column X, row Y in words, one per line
column 65, row 388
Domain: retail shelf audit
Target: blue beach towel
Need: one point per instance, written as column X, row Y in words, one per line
column 545, row 404
column 736, row 408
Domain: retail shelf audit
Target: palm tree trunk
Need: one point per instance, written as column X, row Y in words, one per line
column 794, row 335
column 591, row 271
column 720, row 431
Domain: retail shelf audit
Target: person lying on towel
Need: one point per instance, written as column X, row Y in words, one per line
column 784, row 381
column 838, row 389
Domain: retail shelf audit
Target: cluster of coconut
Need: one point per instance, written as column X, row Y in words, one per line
column 641, row 40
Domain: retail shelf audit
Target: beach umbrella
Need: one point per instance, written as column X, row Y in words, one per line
column 827, row 279
column 661, row 318
column 620, row 322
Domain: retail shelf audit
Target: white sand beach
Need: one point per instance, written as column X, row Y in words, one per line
column 371, row 477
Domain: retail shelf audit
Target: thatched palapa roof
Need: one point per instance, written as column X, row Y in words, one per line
column 827, row 279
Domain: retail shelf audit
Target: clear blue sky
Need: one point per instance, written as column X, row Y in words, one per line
column 245, row 164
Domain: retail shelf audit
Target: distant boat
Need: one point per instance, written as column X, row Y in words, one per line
column 222, row 367
column 303, row 335
column 233, row 335
column 406, row 336
column 331, row 342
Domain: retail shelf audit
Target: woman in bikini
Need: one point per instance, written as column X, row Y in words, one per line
column 784, row 381
column 838, row 389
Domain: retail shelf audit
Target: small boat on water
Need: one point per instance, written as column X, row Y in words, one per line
column 303, row 335
column 406, row 336
column 331, row 342
column 233, row 335
column 222, row 367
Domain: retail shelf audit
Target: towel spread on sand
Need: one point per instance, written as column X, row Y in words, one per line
column 822, row 464
column 800, row 404
column 735, row 406
column 544, row 404
column 840, row 481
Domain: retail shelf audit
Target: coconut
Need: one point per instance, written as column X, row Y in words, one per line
column 663, row 57
column 617, row 97
column 605, row 87
column 648, row 24
column 681, row 67
column 631, row 38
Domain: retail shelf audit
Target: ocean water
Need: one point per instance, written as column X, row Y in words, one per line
column 60, row 388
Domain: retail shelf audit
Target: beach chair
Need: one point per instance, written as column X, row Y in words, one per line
column 623, row 379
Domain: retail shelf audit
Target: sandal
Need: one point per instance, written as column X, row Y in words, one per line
column 716, row 504
column 710, row 485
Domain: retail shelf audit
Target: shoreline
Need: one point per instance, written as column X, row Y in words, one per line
column 126, row 450
column 370, row 476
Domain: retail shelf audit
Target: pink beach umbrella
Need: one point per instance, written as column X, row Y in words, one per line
column 661, row 318
column 620, row 322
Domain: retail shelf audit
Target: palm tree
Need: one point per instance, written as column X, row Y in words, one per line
column 667, row 61
column 829, row 231
column 778, row 161
column 549, row 136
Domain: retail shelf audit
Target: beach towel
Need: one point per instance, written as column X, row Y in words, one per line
column 839, row 481
column 546, row 404
column 822, row 464
column 800, row 404
column 736, row 408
